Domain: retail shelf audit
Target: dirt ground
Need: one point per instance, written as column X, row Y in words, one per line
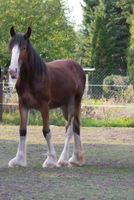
column 107, row 175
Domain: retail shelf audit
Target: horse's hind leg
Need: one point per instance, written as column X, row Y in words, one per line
column 64, row 157
column 71, row 113
column 77, row 158
column 78, row 154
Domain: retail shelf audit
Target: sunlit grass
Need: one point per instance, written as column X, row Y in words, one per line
column 57, row 119
column 122, row 122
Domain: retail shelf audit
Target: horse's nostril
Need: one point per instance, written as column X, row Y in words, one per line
column 10, row 71
column 13, row 77
column 13, row 73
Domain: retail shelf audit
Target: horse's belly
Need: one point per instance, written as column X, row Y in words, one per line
column 59, row 99
column 53, row 104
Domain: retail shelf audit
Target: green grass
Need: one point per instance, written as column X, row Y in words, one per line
column 57, row 119
column 92, row 101
column 107, row 123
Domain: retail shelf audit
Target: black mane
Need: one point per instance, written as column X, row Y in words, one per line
column 34, row 59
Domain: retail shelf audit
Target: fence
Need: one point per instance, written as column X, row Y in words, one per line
column 117, row 101
column 120, row 94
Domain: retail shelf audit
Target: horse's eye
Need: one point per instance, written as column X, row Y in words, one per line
column 23, row 48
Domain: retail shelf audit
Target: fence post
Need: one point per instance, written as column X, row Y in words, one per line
column 1, row 94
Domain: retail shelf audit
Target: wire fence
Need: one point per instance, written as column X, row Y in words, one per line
column 102, row 84
column 107, row 101
column 111, row 95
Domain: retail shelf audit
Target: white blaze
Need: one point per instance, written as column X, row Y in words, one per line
column 14, row 64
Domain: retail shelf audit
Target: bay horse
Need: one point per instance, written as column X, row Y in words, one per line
column 43, row 86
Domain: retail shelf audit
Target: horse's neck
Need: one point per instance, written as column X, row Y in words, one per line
column 25, row 83
column 25, row 72
column 29, row 78
column 37, row 65
column 33, row 71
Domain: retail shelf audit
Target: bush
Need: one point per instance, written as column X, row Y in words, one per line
column 114, row 85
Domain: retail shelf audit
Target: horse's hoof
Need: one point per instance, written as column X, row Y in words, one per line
column 77, row 161
column 62, row 163
column 14, row 163
column 49, row 165
column 74, row 164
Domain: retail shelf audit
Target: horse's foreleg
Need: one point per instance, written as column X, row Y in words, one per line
column 20, row 158
column 51, row 160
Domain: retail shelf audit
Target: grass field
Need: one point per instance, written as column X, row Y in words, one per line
column 107, row 175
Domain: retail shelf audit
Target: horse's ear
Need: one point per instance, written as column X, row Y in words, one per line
column 28, row 33
column 12, row 32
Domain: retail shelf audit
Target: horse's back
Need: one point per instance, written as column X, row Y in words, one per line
column 67, row 79
column 70, row 70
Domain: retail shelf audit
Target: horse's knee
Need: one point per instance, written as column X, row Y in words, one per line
column 23, row 132
column 45, row 131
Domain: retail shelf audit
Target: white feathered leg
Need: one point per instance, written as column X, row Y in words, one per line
column 20, row 158
column 63, row 160
column 51, row 160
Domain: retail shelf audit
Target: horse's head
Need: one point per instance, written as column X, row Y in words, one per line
column 18, row 47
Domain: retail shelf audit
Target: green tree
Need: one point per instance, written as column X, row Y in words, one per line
column 85, row 36
column 107, row 35
column 100, row 41
column 107, row 31
column 118, row 28
column 53, row 35
column 131, row 49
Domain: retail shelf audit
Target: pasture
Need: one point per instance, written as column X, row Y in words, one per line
column 107, row 175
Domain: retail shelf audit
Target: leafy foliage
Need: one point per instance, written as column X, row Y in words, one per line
column 53, row 34
column 107, row 29
column 115, row 86
column 131, row 49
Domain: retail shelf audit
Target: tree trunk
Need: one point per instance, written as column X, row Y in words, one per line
column 1, row 94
